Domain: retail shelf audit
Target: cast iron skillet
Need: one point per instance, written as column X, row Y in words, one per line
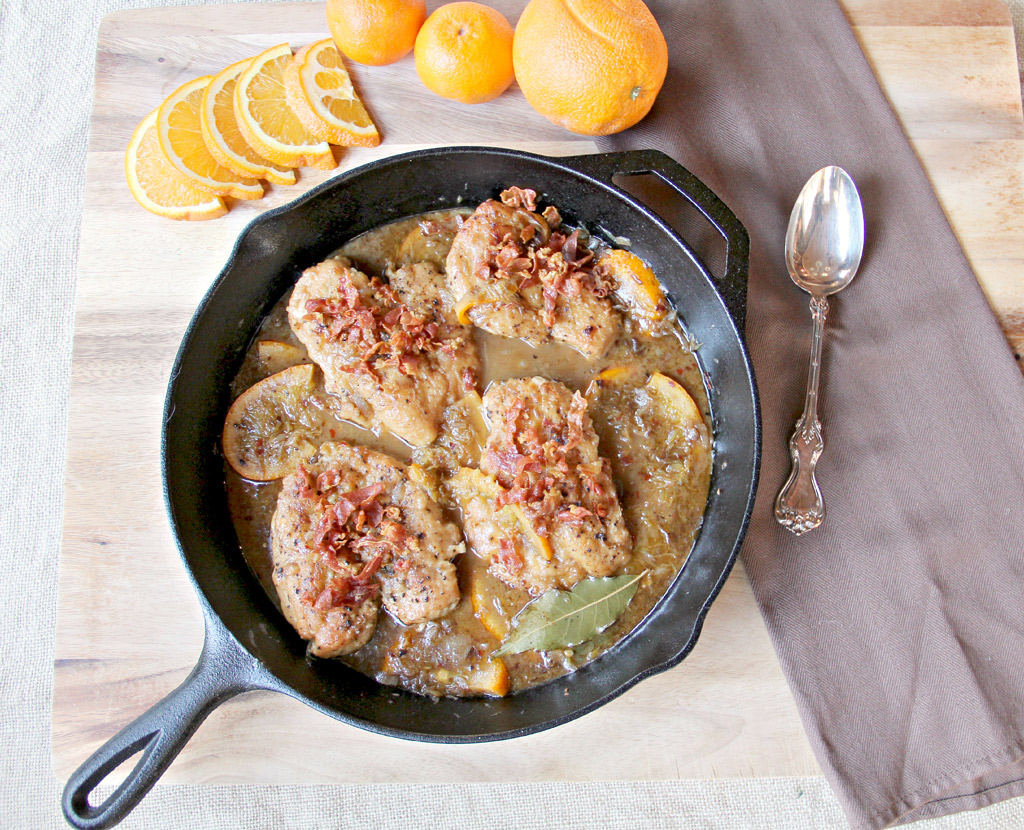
column 249, row 645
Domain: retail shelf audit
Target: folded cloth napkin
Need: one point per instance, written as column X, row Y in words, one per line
column 900, row 621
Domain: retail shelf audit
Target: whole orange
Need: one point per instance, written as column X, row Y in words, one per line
column 591, row 66
column 464, row 52
column 375, row 32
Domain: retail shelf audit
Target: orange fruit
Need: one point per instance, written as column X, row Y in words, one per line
column 320, row 93
column 591, row 66
column 158, row 186
column 464, row 52
column 268, row 123
column 375, row 32
column 179, row 130
column 223, row 138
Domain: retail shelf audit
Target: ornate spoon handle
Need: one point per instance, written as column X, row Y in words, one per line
column 799, row 506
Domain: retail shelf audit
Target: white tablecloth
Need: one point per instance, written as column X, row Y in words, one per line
column 47, row 52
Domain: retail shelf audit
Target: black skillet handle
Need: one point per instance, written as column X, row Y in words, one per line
column 732, row 285
column 222, row 672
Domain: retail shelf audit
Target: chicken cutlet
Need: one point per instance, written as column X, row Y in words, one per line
column 512, row 272
column 390, row 347
column 542, row 451
column 351, row 532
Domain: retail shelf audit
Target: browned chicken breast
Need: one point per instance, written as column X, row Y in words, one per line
column 351, row 531
column 542, row 451
column 389, row 347
column 512, row 275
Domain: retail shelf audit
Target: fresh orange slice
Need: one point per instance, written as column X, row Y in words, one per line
column 267, row 123
column 320, row 93
column 157, row 186
column 223, row 138
column 179, row 129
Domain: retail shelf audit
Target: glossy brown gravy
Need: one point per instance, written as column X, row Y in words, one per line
column 662, row 486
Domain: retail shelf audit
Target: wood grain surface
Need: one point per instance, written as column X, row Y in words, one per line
column 129, row 627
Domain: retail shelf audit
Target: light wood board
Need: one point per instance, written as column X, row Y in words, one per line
column 129, row 627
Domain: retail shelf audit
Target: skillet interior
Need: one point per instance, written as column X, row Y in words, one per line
column 268, row 259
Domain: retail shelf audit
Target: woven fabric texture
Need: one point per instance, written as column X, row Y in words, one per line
column 46, row 77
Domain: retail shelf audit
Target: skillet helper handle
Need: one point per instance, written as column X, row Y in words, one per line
column 732, row 285
column 222, row 672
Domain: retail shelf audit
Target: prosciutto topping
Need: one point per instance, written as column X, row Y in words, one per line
column 353, row 527
column 387, row 334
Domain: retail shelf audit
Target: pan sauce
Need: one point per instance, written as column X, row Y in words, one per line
column 662, row 486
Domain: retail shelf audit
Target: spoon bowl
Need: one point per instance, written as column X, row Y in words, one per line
column 825, row 238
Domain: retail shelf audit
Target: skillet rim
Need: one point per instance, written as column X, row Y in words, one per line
column 575, row 165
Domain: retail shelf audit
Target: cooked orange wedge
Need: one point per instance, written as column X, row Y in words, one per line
column 268, row 123
column 276, row 356
column 320, row 93
column 473, row 405
column 179, row 129
column 428, row 480
column 675, row 399
column 223, row 138
column 263, row 436
column 636, row 285
column 484, row 608
column 613, row 375
column 157, row 186
column 489, row 678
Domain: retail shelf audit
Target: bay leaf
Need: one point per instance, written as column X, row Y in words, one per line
column 563, row 619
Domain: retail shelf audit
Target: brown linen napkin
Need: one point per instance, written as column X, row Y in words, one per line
column 900, row 622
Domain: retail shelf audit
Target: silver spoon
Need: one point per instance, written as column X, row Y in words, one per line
column 824, row 244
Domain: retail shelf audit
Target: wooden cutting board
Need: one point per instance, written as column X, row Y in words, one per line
column 128, row 625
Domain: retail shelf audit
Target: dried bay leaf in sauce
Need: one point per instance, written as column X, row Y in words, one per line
column 563, row 619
